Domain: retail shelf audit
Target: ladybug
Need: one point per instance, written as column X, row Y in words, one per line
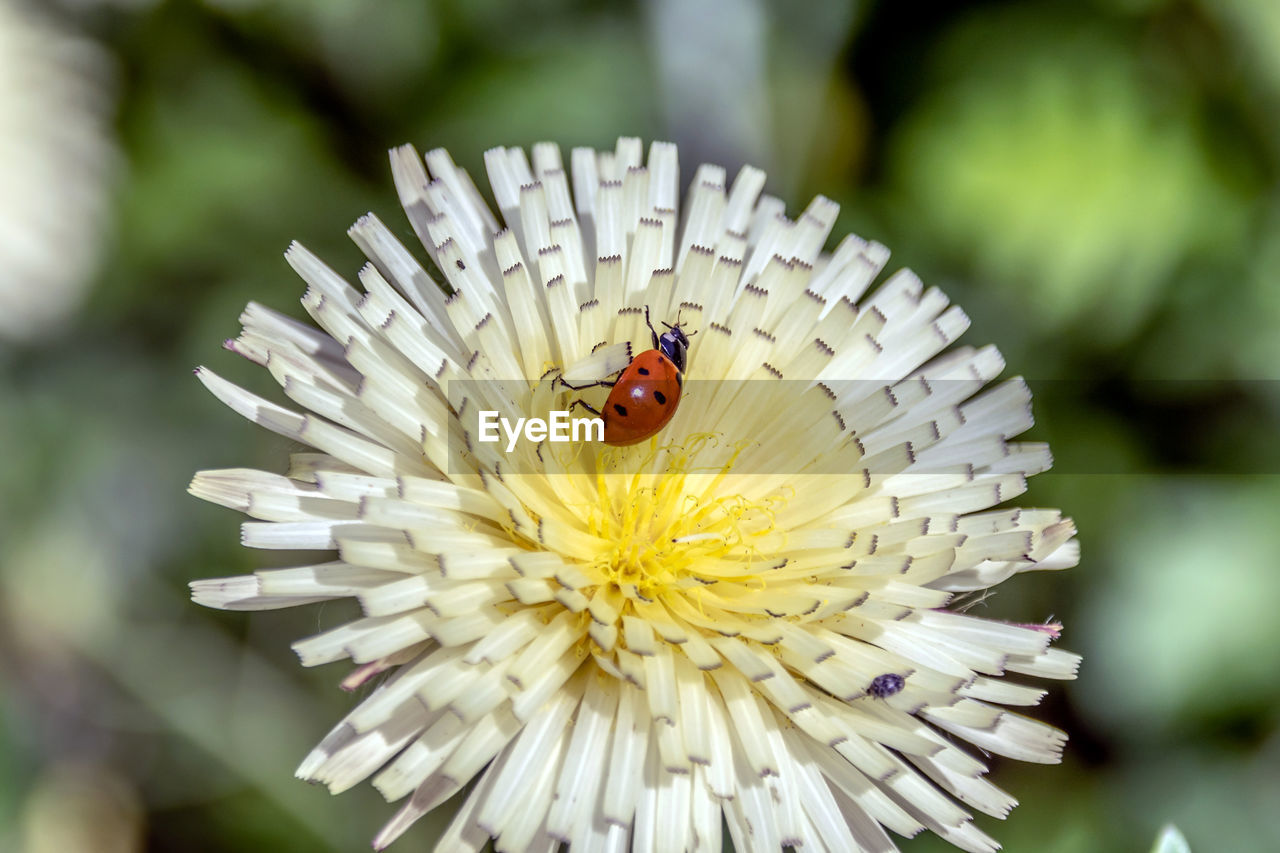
column 646, row 395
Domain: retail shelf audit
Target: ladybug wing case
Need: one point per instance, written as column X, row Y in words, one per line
column 643, row 400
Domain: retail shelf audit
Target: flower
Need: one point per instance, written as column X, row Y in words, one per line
column 56, row 160
column 745, row 615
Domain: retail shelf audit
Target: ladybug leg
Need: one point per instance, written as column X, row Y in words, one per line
column 584, row 404
column 649, row 323
column 603, row 383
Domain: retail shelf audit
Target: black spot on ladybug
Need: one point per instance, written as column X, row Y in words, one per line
column 884, row 686
column 643, row 371
column 461, row 265
column 620, row 409
column 660, row 397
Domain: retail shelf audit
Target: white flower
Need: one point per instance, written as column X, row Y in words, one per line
column 743, row 615
column 55, row 162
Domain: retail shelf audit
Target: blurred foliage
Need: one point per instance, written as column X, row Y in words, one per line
column 1093, row 182
column 1067, row 159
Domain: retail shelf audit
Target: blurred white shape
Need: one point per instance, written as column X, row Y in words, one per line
column 1170, row 840
column 711, row 68
column 81, row 808
column 56, row 157
column 746, row 81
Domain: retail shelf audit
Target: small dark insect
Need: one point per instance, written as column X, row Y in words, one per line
column 884, row 686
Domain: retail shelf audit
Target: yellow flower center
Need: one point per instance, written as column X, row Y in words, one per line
column 674, row 530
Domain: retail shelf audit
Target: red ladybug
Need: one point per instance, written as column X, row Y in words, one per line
column 647, row 393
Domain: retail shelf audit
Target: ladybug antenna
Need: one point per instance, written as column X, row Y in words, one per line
column 679, row 323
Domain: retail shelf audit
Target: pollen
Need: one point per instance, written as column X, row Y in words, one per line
column 675, row 533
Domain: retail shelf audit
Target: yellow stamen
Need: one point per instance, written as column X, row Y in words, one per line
column 662, row 527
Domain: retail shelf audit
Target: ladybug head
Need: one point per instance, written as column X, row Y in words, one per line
column 673, row 343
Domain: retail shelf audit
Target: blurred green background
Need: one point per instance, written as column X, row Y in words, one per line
column 1095, row 182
